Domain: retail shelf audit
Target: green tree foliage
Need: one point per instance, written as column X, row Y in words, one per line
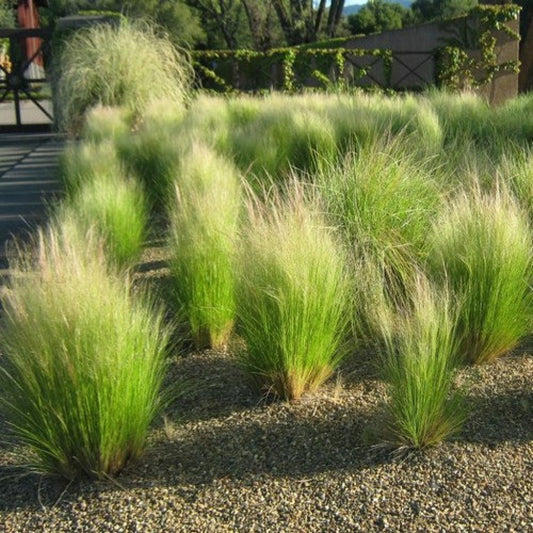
column 264, row 26
column 177, row 17
column 231, row 24
column 302, row 22
column 526, row 15
column 7, row 15
column 441, row 9
column 223, row 21
column 378, row 16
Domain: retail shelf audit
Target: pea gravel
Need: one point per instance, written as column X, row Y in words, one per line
column 224, row 459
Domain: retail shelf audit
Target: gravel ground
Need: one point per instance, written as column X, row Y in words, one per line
column 223, row 459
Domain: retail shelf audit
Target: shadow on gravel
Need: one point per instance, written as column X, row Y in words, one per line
column 502, row 417
column 215, row 387
column 293, row 445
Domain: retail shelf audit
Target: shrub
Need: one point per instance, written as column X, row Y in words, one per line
column 125, row 65
column 292, row 295
column 83, row 360
column 423, row 408
column 204, row 213
column 481, row 248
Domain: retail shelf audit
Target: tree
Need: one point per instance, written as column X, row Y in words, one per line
column 441, row 9
column 263, row 24
column 301, row 22
column 7, row 14
column 378, row 16
column 175, row 16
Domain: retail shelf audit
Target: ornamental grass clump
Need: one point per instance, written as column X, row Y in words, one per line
column 383, row 200
column 83, row 359
column 116, row 210
column 153, row 154
column 105, row 124
column 204, row 214
column 292, row 295
column 482, row 251
column 516, row 169
column 284, row 136
column 82, row 163
column 126, row 65
column 423, row 407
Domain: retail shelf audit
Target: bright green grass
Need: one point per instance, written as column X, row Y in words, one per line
column 292, row 295
column 418, row 365
column 153, row 155
column 105, row 124
column 204, row 213
column 116, row 210
column 482, row 250
column 82, row 362
column 383, row 199
column 82, row 163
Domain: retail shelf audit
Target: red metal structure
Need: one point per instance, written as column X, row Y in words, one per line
column 23, row 75
column 28, row 18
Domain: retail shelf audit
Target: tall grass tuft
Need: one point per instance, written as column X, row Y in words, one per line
column 204, row 215
column 124, row 65
column 282, row 136
column 153, row 155
column 292, row 295
column 516, row 169
column 116, row 210
column 482, row 250
column 105, row 124
column 83, row 360
column 383, row 199
column 423, row 407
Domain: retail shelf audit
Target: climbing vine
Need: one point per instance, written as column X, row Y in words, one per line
column 468, row 58
column 288, row 69
column 459, row 69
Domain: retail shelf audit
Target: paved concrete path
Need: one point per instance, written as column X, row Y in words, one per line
column 28, row 165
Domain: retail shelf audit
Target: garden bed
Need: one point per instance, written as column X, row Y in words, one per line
column 223, row 458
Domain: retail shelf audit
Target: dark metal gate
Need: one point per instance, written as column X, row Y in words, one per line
column 24, row 86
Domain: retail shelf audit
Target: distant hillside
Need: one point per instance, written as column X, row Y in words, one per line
column 350, row 10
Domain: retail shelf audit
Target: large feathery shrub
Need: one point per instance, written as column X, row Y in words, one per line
column 204, row 214
column 292, row 295
column 83, row 359
column 126, row 65
column 482, row 250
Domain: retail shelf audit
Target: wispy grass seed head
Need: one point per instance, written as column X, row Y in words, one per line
column 482, row 250
column 204, row 215
column 83, row 360
column 292, row 295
